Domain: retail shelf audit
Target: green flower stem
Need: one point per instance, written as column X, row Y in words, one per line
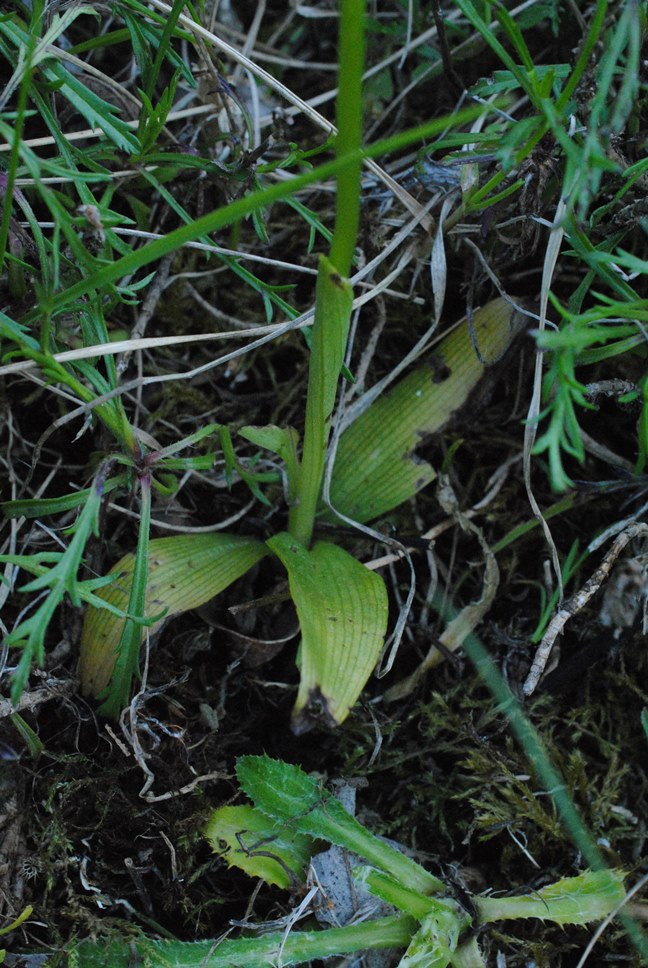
column 21, row 107
column 349, row 138
column 333, row 296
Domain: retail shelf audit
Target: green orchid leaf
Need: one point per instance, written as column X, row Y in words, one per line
column 126, row 667
column 184, row 572
column 333, row 304
column 342, row 612
column 377, row 466
column 249, row 840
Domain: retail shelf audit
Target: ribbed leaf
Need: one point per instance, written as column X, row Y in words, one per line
column 333, row 304
column 342, row 611
column 185, row 571
column 376, row 466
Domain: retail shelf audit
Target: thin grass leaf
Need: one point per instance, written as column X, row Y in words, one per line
column 38, row 507
column 39, row 48
column 97, row 112
column 217, row 219
column 472, row 15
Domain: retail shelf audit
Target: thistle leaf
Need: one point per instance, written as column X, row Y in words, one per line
column 249, row 840
column 291, row 796
column 589, row 896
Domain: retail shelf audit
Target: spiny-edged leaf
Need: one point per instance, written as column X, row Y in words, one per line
column 589, row 896
column 342, row 612
column 250, row 840
column 435, row 942
column 185, row 571
column 287, row 794
column 279, row 948
column 377, row 467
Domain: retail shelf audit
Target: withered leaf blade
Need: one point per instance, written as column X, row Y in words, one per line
column 377, row 466
column 185, row 571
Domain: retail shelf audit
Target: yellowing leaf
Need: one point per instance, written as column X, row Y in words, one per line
column 185, row 571
column 376, row 466
column 342, row 611
column 258, row 845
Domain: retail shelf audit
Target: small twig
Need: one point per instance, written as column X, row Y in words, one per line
column 444, row 48
column 576, row 603
column 187, row 788
column 53, row 689
column 467, row 619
